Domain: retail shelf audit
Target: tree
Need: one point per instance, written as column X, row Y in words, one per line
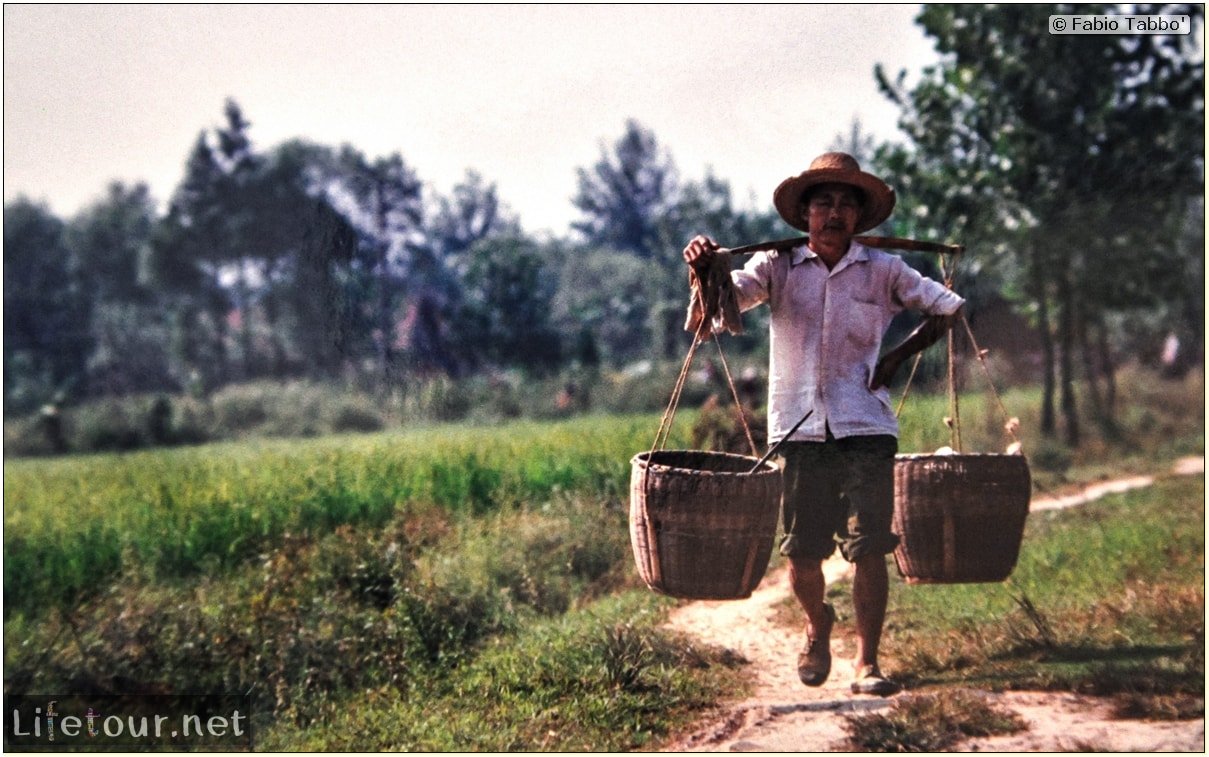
column 239, row 167
column 704, row 206
column 635, row 205
column 303, row 247
column 192, row 298
column 324, row 321
column 195, row 244
column 387, row 210
column 858, row 143
column 110, row 242
column 1069, row 148
column 46, row 316
column 505, row 316
column 473, row 212
column 610, row 321
column 626, row 194
column 458, row 223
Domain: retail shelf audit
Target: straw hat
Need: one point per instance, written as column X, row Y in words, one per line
column 835, row 168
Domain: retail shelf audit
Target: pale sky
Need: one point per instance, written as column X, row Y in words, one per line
column 522, row 94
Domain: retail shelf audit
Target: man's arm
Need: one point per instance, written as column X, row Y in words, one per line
column 928, row 332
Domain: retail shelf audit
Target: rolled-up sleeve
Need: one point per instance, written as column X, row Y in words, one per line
column 914, row 291
column 753, row 281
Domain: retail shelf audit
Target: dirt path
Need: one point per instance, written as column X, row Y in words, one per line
column 782, row 715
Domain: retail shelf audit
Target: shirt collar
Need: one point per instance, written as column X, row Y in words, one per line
column 856, row 252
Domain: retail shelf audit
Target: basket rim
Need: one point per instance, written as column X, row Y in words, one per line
column 643, row 459
column 958, row 455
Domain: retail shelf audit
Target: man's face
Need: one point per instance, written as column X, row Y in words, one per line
column 833, row 210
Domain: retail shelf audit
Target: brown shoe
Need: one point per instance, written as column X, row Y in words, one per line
column 814, row 661
column 869, row 680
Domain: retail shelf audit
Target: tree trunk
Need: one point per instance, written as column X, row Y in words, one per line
column 1070, row 410
column 1109, row 370
column 385, row 327
column 245, row 318
column 1048, row 425
column 272, row 323
column 219, row 310
column 1091, row 370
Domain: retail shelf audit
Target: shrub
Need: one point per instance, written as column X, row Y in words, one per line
column 316, row 618
column 440, row 399
column 930, row 723
column 545, row 686
column 107, row 428
column 237, row 411
column 29, row 437
column 1051, row 456
column 351, row 417
column 159, row 421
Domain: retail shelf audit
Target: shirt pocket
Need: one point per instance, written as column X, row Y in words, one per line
column 863, row 326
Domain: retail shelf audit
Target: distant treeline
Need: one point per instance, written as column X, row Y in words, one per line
column 1071, row 167
column 311, row 262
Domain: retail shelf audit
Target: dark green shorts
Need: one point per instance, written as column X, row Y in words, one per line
column 840, row 491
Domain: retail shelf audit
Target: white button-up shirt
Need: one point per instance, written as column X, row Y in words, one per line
column 826, row 334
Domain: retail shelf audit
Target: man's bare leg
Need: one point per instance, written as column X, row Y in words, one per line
column 870, row 591
column 809, row 586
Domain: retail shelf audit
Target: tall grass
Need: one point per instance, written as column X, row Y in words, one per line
column 73, row 523
column 505, row 631
column 1105, row 598
column 70, row 523
column 598, row 680
column 1155, row 421
column 459, row 587
column 298, row 409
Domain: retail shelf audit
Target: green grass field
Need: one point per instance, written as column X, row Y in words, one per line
column 1111, row 591
column 73, row 523
column 462, row 587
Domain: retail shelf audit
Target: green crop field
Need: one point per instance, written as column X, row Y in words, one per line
column 71, row 523
column 472, row 587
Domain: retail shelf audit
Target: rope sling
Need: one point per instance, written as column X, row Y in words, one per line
column 702, row 524
column 953, row 421
column 709, row 312
column 959, row 516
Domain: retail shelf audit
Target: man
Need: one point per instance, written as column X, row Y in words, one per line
column 830, row 302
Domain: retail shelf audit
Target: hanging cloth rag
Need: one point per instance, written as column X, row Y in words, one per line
column 714, row 299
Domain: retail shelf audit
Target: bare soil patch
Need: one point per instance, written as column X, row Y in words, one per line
column 782, row 715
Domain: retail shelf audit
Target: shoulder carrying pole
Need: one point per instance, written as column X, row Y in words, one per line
column 886, row 243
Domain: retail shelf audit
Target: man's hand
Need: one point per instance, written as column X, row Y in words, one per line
column 883, row 374
column 700, row 252
column 932, row 329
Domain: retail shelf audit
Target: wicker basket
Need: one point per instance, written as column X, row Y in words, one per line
column 702, row 524
column 960, row 517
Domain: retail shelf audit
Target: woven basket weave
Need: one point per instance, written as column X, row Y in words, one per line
column 960, row 517
column 701, row 524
